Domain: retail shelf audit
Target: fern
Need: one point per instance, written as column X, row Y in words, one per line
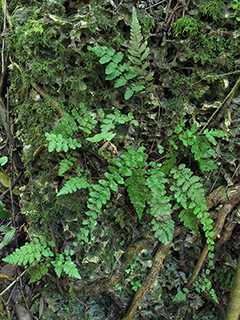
column 189, row 194
column 134, row 68
column 200, row 145
column 39, row 256
column 73, row 185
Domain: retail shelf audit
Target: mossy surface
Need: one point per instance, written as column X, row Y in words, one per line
column 52, row 71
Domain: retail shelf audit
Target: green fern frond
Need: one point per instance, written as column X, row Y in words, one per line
column 138, row 193
column 29, row 253
column 189, row 194
column 163, row 230
column 73, row 185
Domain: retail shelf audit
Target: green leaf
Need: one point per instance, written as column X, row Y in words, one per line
column 136, row 70
column 113, row 75
column 138, row 88
column 128, row 93
column 98, row 50
column 180, row 296
column 143, row 46
column 113, row 186
column 117, row 57
column 145, row 54
column 106, row 58
column 135, row 60
column 101, row 113
column 149, row 77
column 130, row 75
column 7, row 238
column 120, row 82
column 110, row 68
column 125, row 172
column 3, row 213
column 124, row 66
column 98, row 137
column 3, row 160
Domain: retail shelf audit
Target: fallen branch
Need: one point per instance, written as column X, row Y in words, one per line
column 158, row 260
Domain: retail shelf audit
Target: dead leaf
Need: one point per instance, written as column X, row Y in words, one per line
column 111, row 147
column 4, row 178
column 22, row 313
column 41, row 306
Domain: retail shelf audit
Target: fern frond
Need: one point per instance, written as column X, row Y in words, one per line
column 138, row 193
column 29, row 253
column 73, row 185
column 163, row 230
column 189, row 193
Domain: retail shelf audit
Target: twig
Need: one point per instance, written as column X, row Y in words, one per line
column 224, row 104
column 3, row 34
column 85, row 305
column 168, row 8
column 2, row 293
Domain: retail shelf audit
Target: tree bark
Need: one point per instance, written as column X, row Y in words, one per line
column 233, row 308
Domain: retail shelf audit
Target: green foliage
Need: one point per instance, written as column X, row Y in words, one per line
column 39, row 255
column 3, row 213
column 72, row 132
column 9, row 234
column 180, row 296
column 187, row 27
column 3, row 160
column 212, row 8
column 200, row 47
column 134, row 68
column 147, row 188
column 236, row 7
column 200, row 144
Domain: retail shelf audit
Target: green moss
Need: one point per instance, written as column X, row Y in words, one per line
column 212, row 8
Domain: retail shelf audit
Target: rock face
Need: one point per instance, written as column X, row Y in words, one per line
column 72, row 121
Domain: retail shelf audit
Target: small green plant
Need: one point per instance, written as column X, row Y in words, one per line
column 236, row 7
column 39, row 256
column 3, row 160
column 9, row 234
column 135, row 284
column 201, row 285
column 181, row 295
column 134, row 68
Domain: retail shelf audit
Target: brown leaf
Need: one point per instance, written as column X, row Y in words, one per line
column 111, row 147
column 22, row 313
column 41, row 306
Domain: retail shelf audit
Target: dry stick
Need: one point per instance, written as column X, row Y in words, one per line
column 158, row 260
column 11, row 284
column 168, row 8
column 53, row 103
column 225, row 104
column 4, row 29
